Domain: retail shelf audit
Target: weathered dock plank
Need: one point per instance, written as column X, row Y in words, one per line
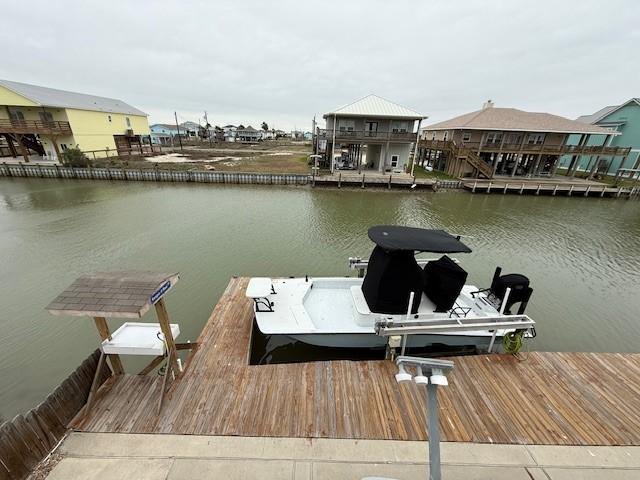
column 547, row 398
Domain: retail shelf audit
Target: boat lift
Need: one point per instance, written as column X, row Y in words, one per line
column 415, row 324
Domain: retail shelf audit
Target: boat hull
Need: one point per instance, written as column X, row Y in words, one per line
column 365, row 340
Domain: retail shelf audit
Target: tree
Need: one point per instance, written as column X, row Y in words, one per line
column 265, row 127
column 73, row 157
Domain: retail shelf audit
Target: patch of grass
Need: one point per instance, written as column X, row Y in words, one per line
column 420, row 172
column 607, row 179
column 267, row 164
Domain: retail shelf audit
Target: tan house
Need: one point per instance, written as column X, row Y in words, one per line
column 40, row 121
column 507, row 141
column 371, row 133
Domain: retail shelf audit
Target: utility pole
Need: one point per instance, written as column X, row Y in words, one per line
column 175, row 114
column 207, row 126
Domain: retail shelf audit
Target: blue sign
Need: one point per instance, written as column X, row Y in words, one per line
column 157, row 295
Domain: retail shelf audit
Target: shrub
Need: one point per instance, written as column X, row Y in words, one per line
column 73, row 157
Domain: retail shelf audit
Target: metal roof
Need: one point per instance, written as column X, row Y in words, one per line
column 375, row 106
column 51, row 97
column 604, row 112
column 494, row 118
column 126, row 294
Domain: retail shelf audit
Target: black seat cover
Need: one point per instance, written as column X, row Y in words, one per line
column 443, row 282
column 390, row 279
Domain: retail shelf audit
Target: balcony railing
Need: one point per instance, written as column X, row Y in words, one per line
column 367, row 135
column 530, row 148
column 45, row 127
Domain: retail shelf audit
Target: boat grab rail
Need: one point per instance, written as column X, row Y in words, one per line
column 417, row 326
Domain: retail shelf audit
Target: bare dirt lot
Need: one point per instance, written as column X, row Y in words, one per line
column 280, row 157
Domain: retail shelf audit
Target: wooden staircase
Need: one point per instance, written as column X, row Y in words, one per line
column 458, row 157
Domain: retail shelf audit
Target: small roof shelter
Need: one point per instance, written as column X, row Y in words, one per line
column 129, row 295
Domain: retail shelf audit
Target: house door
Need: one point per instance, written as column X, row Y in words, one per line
column 370, row 129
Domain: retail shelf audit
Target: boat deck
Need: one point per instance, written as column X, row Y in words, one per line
column 548, row 398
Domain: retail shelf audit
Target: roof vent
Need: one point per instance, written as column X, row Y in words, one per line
column 488, row 104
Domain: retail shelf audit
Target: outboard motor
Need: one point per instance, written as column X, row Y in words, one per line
column 520, row 290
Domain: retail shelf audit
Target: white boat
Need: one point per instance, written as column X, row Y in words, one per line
column 396, row 299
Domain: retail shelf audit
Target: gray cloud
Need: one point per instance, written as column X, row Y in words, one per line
column 283, row 62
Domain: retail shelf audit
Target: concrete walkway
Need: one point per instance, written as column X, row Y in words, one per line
column 171, row 457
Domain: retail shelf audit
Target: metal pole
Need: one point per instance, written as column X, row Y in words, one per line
column 333, row 141
column 175, row 114
column 208, row 127
column 434, row 432
column 415, row 150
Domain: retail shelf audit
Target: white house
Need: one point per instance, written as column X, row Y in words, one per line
column 371, row 133
column 268, row 134
column 248, row 135
column 229, row 133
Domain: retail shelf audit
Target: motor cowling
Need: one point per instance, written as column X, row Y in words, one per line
column 520, row 290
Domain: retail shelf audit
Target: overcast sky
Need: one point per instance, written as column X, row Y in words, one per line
column 284, row 61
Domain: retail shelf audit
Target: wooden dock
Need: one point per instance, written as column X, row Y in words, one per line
column 547, row 398
column 550, row 187
column 371, row 179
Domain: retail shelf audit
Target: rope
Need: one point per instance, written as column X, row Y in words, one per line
column 512, row 342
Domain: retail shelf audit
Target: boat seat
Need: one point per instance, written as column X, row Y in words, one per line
column 359, row 301
column 259, row 287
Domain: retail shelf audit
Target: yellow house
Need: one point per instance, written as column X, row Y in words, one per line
column 39, row 121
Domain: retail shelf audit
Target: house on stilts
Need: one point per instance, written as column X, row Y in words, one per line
column 509, row 142
column 371, row 133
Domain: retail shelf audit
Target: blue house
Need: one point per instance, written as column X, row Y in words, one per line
column 624, row 119
column 164, row 133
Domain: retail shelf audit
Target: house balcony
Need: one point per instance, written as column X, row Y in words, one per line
column 528, row 148
column 346, row 136
column 25, row 127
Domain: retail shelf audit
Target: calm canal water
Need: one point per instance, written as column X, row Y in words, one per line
column 582, row 256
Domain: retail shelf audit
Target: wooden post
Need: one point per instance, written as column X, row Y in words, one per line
column 163, row 318
column 23, row 149
column 105, row 334
column 55, row 147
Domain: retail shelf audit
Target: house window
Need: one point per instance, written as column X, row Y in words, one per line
column 63, row 146
column 445, row 136
column 346, row 125
column 466, row 137
column 433, row 136
column 399, row 127
column 16, row 115
column 46, row 116
column 128, row 122
column 536, row 139
column 394, row 161
column 494, row 137
column 109, row 117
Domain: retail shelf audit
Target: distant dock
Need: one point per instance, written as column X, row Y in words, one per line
column 550, row 186
column 547, row 398
column 366, row 179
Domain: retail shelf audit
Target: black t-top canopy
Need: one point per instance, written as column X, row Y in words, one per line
column 395, row 237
